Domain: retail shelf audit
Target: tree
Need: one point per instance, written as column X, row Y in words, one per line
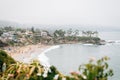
column 37, row 30
column 32, row 29
column 89, row 33
column 59, row 33
column 76, row 32
column 4, row 58
column 1, row 32
column 69, row 32
column 83, row 33
column 96, row 34
column 2, row 44
column 9, row 28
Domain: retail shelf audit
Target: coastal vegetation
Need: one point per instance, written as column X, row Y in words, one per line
column 3, row 44
column 5, row 59
column 20, row 36
column 93, row 70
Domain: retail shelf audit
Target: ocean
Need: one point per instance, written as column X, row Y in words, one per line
column 68, row 57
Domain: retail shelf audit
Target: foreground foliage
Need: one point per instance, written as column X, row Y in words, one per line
column 98, row 70
column 5, row 59
column 33, row 71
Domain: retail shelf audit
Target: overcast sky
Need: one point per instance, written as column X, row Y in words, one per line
column 93, row 12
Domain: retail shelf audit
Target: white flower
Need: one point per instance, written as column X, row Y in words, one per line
column 49, row 70
column 38, row 74
column 84, row 77
column 92, row 58
column 45, row 74
column 56, row 76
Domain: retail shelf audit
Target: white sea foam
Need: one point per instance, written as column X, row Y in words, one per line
column 117, row 41
column 44, row 60
column 51, row 48
column 88, row 44
column 112, row 42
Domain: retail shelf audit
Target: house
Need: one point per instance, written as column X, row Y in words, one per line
column 9, row 36
column 28, row 33
column 44, row 33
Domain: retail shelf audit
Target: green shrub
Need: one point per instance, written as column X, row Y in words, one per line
column 35, row 71
column 5, row 58
column 94, row 71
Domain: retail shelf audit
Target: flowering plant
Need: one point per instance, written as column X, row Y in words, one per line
column 94, row 70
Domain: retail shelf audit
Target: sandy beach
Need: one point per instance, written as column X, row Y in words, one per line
column 26, row 53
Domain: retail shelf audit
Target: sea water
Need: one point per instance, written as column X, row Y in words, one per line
column 68, row 57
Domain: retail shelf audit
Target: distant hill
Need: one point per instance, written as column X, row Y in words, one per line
column 9, row 23
column 52, row 27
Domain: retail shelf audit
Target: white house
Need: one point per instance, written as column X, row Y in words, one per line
column 44, row 33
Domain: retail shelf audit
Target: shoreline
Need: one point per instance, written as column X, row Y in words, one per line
column 30, row 52
column 26, row 53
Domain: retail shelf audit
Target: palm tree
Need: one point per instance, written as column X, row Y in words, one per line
column 59, row 33
column 83, row 33
column 76, row 32
column 69, row 32
column 89, row 33
column 96, row 34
